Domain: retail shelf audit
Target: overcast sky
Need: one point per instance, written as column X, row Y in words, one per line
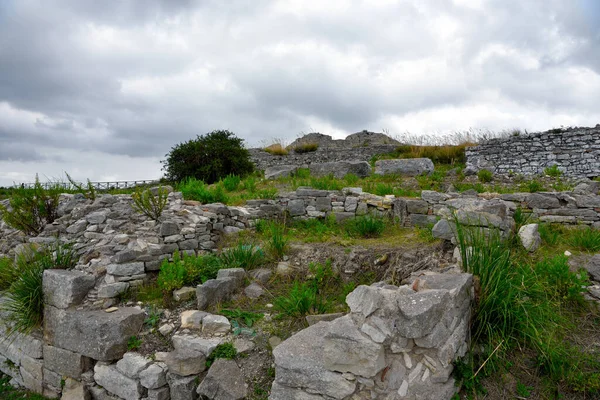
column 103, row 89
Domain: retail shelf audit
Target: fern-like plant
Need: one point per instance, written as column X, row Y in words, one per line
column 89, row 192
column 149, row 204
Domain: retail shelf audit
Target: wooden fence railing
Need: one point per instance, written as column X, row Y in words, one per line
column 97, row 185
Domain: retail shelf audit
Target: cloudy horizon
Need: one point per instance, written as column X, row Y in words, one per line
column 103, row 90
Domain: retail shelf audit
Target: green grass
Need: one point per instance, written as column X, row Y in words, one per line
column 8, row 272
column 8, row 392
column 585, row 239
column 277, row 240
column 224, row 350
column 524, row 304
column 366, row 226
column 242, row 255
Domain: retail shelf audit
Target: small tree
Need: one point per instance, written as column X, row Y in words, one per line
column 209, row 158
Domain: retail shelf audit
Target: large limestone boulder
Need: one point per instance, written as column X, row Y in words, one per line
column 63, row 288
column 111, row 379
column 224, row 381
column 96, row 334
column 339, row 169
column 404, row 166
column 299, row 364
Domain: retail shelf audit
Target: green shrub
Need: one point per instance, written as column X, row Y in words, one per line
column 231, row 182
column 199, row 269
column 209, row 158
column 8, row 272
column 301, row 300
column 89, row 191
column 306, row 148
column 224, row 350
column 243, row 255
column 366, row 226
column 32, row 209
column 193, row 189
column 553, row 171
column 172, row 276
column 249, row 184
column 585, row 239
column 149, row 204
column 485, row 176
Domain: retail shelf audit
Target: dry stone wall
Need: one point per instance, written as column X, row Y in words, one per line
column 575, row 151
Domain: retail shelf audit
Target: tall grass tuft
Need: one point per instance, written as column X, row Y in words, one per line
column 231, row 182
column 277, row 240
column 366, row 226
column 585, row 239
column 194, row 189
column 8, row 272
column 301, row 300
column 243, row 255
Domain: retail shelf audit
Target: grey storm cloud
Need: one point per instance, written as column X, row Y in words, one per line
column 126, row 80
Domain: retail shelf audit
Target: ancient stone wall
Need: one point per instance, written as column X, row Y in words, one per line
column 576, row 152
column 263, row 160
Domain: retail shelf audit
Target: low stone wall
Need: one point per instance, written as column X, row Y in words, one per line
column 264, row 160
column 576, row 152
column 397, row 342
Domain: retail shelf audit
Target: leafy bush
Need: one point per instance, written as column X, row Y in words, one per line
column 199, row 269
column 243, row 255
column 209, row 158
column 585, row 239
column 306, row 148
column 553, row 171
column 224, row 350
column 231, row 182
column 301, row 300
column 32, row 209
column 193, row 189
column 485, row 176
column 366, row 226
column 89, row 191
column 150, row 204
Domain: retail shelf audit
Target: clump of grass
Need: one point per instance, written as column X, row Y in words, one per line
column 351, row 179
column 562, row 283
column 585, row 239
column 550, row 233
column 224, row 350
column 302, row 173
column 194, row 189
column 276, row 149
column 231, row 182
column 301, row 300
column 306, row 148
column 8, row 272
column 485, row 176
column 366, row 226
column 249, row 184
column 242, row 255
column 553, row 171
column 277, row 240
column 134, row 343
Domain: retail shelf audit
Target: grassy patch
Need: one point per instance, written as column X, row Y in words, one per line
column 8, row 392
column 366, row 226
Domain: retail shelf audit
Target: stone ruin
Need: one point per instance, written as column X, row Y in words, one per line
column 396, row 342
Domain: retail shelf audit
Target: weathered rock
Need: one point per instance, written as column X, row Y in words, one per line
column 443, row 230
column 280, row 392
column 313, row 319
column 364, row 300
column 296, row 207
column 224, row 381
column 299, row 364
column 214, row 291
column 132, row 364
column 421, row 311
column 185, row 363
column 111, row 290
column 215, row 325
column 530, row 237
column 261, row 275
column 113, row 381
column 404, row 166
column 254, row 290
column 153, row 377
column 162, row 393
column 280, row 171
column 593, row 267
column 74, row 390
column 542, row 200
column 192, row 319
column 238, row 274
column 166, row 329
column 186, row 343
column 95, row 334
column 135, row 268
column 243, row 346
column 346, row 349
column 169, row 228
column 65, row 362
column 339, row 169
column 184, row 294
column 182, row 388
column 63, row 289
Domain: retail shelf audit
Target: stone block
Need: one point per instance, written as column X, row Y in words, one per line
column 185, row 363
column 65, row 362
column 94, row 334
column 108, row 291
column 153, row 377
column 109, row 377
column 182, row 388
column 184, row 294
column 404, row 166
column 192, row 319
column 215, row 291
column 239, row 274
column 215, row 325
column 132, row 364
column 63, row 289
column 186, row 343
column 224, row 381
column 128, row 269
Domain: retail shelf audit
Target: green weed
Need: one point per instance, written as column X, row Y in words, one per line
column 485, row 176
column 242, row 317
column 134, row 343
column 301, row 300
column 585, row 239
column 553, row 171
column 224, row 350
column 277, row 240
column 244, row 256
column 231, row 182
column 150, row 204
